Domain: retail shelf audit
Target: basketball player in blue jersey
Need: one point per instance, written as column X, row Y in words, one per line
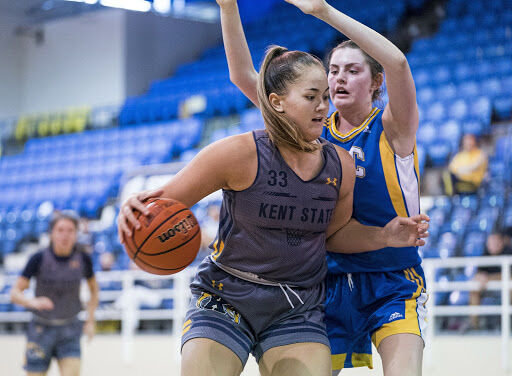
column 380, row 295
column 285, row 190
column 55, row 329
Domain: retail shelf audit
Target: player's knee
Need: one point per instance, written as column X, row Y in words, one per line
column 402, row 365
column 296, row 367
column 402, row 370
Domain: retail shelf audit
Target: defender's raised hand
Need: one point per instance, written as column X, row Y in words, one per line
column 312, row 7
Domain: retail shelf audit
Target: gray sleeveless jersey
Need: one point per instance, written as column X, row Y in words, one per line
column 276, row 227
column 60, row 281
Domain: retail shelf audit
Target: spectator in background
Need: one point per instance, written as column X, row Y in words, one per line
column 495, row 246
column 467, row 168
column 55, row 329
column 107, row 261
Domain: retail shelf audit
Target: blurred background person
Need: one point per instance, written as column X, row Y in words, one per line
column 467, row 168
column 495, row 245
column 55, row 329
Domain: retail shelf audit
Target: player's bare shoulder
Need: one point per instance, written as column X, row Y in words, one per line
column 239, row 158
column 345, row 158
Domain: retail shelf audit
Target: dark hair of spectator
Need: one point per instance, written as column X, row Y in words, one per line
column 64, row 214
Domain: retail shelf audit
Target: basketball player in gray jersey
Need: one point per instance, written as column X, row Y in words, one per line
column 55, row 329
column 285, row 190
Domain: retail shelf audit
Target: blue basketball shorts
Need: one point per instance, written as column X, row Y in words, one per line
column 250, row 318
column 367, row 307
column 45, row 342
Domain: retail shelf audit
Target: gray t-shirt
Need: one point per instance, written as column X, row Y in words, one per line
column 58, row 278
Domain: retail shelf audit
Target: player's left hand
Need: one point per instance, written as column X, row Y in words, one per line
column 89, row 329
column 312, row 7
column 407, row 231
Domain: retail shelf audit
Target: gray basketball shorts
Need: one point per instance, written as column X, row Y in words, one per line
column 45, row 342
column 250, row 318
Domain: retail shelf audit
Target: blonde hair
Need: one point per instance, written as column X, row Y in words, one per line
column 280, row 68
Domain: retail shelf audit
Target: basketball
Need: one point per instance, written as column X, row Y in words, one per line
column 168, row 239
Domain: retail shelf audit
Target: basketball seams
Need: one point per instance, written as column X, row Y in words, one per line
column 172, row 249
column 160, row 268
column 185, row 252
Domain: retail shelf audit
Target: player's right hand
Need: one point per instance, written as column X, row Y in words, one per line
column 41, row 303
column 126, row 216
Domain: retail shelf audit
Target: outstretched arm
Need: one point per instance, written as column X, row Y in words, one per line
column 241, row 67
column 347, row 235
column 400, row 117
column 399, row 232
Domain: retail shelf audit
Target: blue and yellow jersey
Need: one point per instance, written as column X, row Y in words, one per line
column 386, row 186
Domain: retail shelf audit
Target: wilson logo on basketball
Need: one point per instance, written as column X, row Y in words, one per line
column 183, row 226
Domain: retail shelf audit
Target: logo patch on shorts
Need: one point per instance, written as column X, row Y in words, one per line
column 396, row 315
column 34, row 351
column 215, row 303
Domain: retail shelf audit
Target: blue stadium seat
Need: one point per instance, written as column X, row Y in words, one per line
column 439, row 152
column 476, row 127
column 427, row 133
column 447, row 244
column 459, row 298
column 470, row 202
column 441, row 298
column 503, row 107
column 459, row 109
column 462, row 73
column 491, row 87
column 436, row 112
column 426, row 95
column 440, row 75
column 493, row 201
column 429, row 251
column 484, row 224
column 451, row 132
column 481, row 109
column 446, row 92
column 421, row 77
column 474, row 244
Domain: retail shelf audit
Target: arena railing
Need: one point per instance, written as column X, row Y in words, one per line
column 433, row 287
column 125, row 304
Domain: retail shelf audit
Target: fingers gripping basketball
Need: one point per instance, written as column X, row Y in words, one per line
column 168, row 239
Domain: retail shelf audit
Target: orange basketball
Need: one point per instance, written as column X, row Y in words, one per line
column 168, row 239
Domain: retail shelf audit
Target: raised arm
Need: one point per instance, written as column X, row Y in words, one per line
column 400, row 117
column 399, row 232
column 241, row 67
